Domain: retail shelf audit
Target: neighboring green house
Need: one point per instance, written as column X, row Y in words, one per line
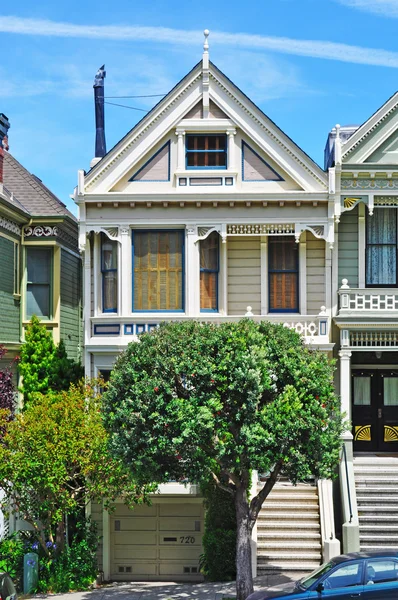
column 38, row 241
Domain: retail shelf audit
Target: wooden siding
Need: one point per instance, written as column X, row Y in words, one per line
column 244, row 275
column 10, row 308
column 348, row 247
column 71, row 326
column 315, row 274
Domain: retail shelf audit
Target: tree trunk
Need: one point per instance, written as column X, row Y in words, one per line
column 244, row 577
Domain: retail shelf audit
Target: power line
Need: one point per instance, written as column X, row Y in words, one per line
column 124, row 106
column 147, row 96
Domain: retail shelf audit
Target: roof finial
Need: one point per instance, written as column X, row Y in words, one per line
column 206, row 33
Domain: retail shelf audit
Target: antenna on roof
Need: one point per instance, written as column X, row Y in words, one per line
column 100, row 144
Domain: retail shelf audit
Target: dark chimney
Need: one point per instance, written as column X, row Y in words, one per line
column 100, row 144
column 4, row 127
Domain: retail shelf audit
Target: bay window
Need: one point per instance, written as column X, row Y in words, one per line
column 109, row 274
column 39, row 282
column 209, row 268
column 158, row 270
column 381, row 248
column 283, row 274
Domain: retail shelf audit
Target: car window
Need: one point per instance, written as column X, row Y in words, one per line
column 307, row 581
column 344, row 576
column 381, row 571
column 8, row 591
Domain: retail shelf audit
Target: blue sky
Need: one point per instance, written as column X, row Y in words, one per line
column 309, row 64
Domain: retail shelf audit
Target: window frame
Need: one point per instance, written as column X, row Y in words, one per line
column 113, row 310
column 217, row 271
column 50, row 284
column 206, row 168
column 381, row 285
column 183, row 282
column 296, row 271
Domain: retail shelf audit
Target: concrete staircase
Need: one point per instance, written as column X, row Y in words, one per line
column 288, row 531
column 376, row 483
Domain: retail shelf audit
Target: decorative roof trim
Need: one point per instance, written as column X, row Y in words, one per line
column 146, row 128
column 368, row 132
column 267, row 130
column 10, row 225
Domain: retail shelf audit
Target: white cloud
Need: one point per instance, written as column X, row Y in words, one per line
column 386, row 8
column 261, row 77
column 313, row 48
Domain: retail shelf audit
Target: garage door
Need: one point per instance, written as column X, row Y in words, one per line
column 161, row 542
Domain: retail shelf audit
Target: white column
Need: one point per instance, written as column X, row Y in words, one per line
column 303, row 273
column 328, row 278
column 97, row 277
column 125, row 273
column 345, row 382
column 264, row 274
column 231, row 149
column 361, row 245
column 223, row 283
column 335, row 272
column 87, row 303
column 192, row 273
column 180, row 150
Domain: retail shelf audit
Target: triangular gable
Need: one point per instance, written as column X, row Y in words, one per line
column 196, row 112
column 157, row 168
column 255, row 168
column 241, row 113
column 374, row 140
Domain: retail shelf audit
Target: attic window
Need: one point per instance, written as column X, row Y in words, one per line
column 206, row 151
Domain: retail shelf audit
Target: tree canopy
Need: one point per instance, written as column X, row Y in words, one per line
column 192, row 401
column 54, row 459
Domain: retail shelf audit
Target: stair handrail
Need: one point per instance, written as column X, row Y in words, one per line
column 348, row 482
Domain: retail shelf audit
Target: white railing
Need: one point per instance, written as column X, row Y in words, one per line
column 314, row 328
column 374, row 339
column 372, row 299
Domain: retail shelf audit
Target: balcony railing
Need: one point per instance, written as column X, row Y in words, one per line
column 314, row 328
column 377, row 300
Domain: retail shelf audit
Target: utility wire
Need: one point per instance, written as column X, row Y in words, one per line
column 147, row 96
column 124, row 106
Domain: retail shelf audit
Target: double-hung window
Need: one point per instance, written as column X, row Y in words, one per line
column 158, row 268
column 209, row 268
column 381, row 248
column 39, row 282
column 206, row 151
column 109, row 274
column 283, row 274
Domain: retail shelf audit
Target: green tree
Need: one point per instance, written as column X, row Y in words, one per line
column 54, row 459
column 43, row 365
column 194, row 401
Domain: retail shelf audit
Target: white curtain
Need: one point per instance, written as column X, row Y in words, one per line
column 362, row 391
column 381, row 247
column 390, row 391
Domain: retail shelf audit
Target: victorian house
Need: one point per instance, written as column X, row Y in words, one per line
column 38, row 240
column 363, row 170
column 206, row 210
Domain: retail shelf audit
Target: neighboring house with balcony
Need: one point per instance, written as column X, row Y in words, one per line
column 364, row 177
column 38, row 241
column 204, row 210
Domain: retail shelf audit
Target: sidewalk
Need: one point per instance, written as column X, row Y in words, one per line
column 165, row 591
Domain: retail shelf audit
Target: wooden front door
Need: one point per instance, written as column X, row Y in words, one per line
column 375, row 410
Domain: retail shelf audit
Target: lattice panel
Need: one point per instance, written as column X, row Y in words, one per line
column 372, row 301
column 261, row 229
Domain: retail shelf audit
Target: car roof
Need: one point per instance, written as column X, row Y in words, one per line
column 382, row 553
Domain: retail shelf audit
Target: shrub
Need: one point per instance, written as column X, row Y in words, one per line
column 12, row 550
column 219, row 539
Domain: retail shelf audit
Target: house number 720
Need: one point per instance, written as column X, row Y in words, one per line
column 187, row 539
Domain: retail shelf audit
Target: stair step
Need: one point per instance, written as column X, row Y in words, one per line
column 310, row 546
column 287, row 535
column 291, row 497
column 388, row 519
column 386, row 538
column 269, row 514
column 298, row 556
column 302, row 525
column 367, row 547
column 384, row 492
column 378, row 528
column 292, row 506
column 366, row 500
column 288, row 565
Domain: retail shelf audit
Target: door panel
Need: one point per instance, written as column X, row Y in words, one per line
column 375, row 410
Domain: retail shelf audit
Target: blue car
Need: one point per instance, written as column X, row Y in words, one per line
column 361, row 575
